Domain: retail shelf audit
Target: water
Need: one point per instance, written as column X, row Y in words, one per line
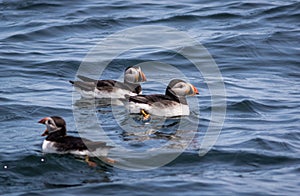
column 254, row 43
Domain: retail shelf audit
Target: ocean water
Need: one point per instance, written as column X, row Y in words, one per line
column 255, row 45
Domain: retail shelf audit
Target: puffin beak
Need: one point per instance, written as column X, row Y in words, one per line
column 42, row 121
column 142, row 77
column 194, row 90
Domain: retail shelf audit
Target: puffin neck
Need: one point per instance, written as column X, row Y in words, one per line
column 131, row 86
column 127, row 83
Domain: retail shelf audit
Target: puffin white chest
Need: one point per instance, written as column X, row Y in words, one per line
column 49, row 147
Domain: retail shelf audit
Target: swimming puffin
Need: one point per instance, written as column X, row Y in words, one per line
column 172, row 103
column 57, row 141
column 90, row 88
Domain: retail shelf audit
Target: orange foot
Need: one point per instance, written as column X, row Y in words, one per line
column 146, row 116
column 108, row 160
column 89, row 162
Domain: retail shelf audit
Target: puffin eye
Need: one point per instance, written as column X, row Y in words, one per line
column 181, row 86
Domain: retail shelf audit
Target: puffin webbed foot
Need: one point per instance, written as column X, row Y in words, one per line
column 89, row 162
column 108, row 160
column 146, row 116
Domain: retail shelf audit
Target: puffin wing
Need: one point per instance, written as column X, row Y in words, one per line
column 68, row 143
column 148, row 99
column 106, row 85
column 87, row 86
column 86, row 79
column 95, row 145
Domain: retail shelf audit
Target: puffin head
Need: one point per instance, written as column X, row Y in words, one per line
column 134, row 75
column 53, row 124
column 182, row 88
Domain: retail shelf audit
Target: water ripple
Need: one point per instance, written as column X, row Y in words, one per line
column 255, row 45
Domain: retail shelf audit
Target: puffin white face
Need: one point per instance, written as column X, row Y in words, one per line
column 134, row 75
column 184, row 89
column 50, row 124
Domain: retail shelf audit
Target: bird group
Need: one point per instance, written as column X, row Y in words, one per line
column 172, row 103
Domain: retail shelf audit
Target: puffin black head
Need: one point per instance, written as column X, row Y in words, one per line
column 134, row 75
column 181, row 88
column 54, row 124
column 173, row 82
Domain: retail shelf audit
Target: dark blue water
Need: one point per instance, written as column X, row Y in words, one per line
column 255, row 45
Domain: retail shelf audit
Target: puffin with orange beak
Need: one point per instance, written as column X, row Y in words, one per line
column 90, row 88
column 172, row 103
column 57, row 141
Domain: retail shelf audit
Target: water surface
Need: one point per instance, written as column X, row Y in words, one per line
column 254, row 43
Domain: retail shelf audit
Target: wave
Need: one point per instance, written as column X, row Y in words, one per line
column 283, row 8
column 240, row 156
column 248, row 106
column 254, row 43
column 51, row 31
column 193, row 17
column 37, row 172
column 27, row 5
column 16, row 112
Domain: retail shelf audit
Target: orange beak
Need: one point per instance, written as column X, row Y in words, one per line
column 43, row 121
column 192, row 90
column 142, row 77
column 195, row 90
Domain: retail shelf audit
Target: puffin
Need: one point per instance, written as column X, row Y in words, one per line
column 172, row 103
column 57, row 141
column 104, row 89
